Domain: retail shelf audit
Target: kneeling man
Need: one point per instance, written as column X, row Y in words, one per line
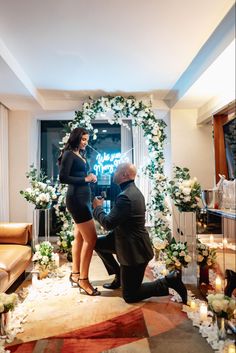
column 129, row 240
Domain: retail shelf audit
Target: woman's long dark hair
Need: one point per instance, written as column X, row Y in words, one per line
column 73, row 141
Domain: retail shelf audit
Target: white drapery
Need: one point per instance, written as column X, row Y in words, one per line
column 126, row 142
column 141, row 158
column 4, row 165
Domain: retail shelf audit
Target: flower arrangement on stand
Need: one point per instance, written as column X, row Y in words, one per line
column 7, row 303
column 184, row 191
column 206, row 258
column 223, row 307
column 41, row 193
column 44, row 258
column 176, row 255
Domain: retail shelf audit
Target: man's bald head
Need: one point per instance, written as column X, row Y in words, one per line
column 124, row 172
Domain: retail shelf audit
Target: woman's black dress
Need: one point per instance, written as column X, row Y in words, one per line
column 73, row 171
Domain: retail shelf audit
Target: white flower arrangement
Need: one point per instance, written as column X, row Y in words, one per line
column 41, row 193
column 142, row 115
column 176, row 255
column 205, row 255
column 221, row 305
column 7, row 302
column 44, row 257
column 184, row 191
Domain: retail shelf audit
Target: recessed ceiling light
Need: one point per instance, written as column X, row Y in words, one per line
column 104, row 130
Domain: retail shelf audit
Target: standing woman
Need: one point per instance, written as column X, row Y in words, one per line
column 74, row 172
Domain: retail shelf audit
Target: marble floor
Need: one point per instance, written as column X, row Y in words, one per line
column 77, row 323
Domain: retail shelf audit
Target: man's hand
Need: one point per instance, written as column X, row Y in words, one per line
column 98, row 202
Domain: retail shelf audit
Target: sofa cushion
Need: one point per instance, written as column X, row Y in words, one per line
column 15, row 233
column 4, row 278
column 14, row 257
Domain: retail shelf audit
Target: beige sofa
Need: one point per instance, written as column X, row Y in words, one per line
column 15, row 251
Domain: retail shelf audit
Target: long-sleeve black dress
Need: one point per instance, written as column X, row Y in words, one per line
column 73, row 171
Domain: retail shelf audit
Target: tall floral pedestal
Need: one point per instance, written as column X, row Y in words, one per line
column 41, row 224
column 187, row 231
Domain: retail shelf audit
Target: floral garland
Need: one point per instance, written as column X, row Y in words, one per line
column 143, row 116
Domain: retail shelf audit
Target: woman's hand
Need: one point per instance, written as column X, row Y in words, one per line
column 91, row 178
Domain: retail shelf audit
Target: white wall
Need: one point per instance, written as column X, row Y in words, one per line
column 22, row 142
column 4, row 165
column 192, row 146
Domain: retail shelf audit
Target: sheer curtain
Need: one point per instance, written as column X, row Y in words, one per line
column 4, row 167
column 141, row 157
column 126, row 142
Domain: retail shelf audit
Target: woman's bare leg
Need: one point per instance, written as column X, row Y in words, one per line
column 76, row 252
column 88, row 233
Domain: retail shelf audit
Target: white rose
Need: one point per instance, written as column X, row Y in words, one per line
column 186, row 191
column 187, row 198
column 217, row 305
column 187, row 258
column 42, row 197
column 155, row 139
column 45, row 259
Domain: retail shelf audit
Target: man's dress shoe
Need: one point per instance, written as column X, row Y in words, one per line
column 115, row 284
column 174, row 281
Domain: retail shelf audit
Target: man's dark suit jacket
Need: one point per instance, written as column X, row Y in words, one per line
column 127, row 222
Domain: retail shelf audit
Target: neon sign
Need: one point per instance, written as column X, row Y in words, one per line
column 107, row 162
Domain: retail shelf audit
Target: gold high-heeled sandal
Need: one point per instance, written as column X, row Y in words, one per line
column 73, row 281
column 94, row 290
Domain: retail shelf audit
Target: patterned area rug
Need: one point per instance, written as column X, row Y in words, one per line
column 65, row 321
column 149, row 320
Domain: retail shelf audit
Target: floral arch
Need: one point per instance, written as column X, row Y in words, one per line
column 154, row 132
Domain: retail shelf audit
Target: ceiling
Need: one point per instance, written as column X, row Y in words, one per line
column 54, row 54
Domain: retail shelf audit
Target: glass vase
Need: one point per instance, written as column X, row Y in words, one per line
column 187, row 227
column 204, row 274
column 221, row 331
column 43, row 273
column 156, row 254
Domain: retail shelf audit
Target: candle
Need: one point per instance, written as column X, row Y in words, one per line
column 164, row 271
column 34, row 279
column 193, row 305
column 211, row 238
column 57, row 260
column 203, row 312
column 218, row 284
column 225, row 242
column 231, row 348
